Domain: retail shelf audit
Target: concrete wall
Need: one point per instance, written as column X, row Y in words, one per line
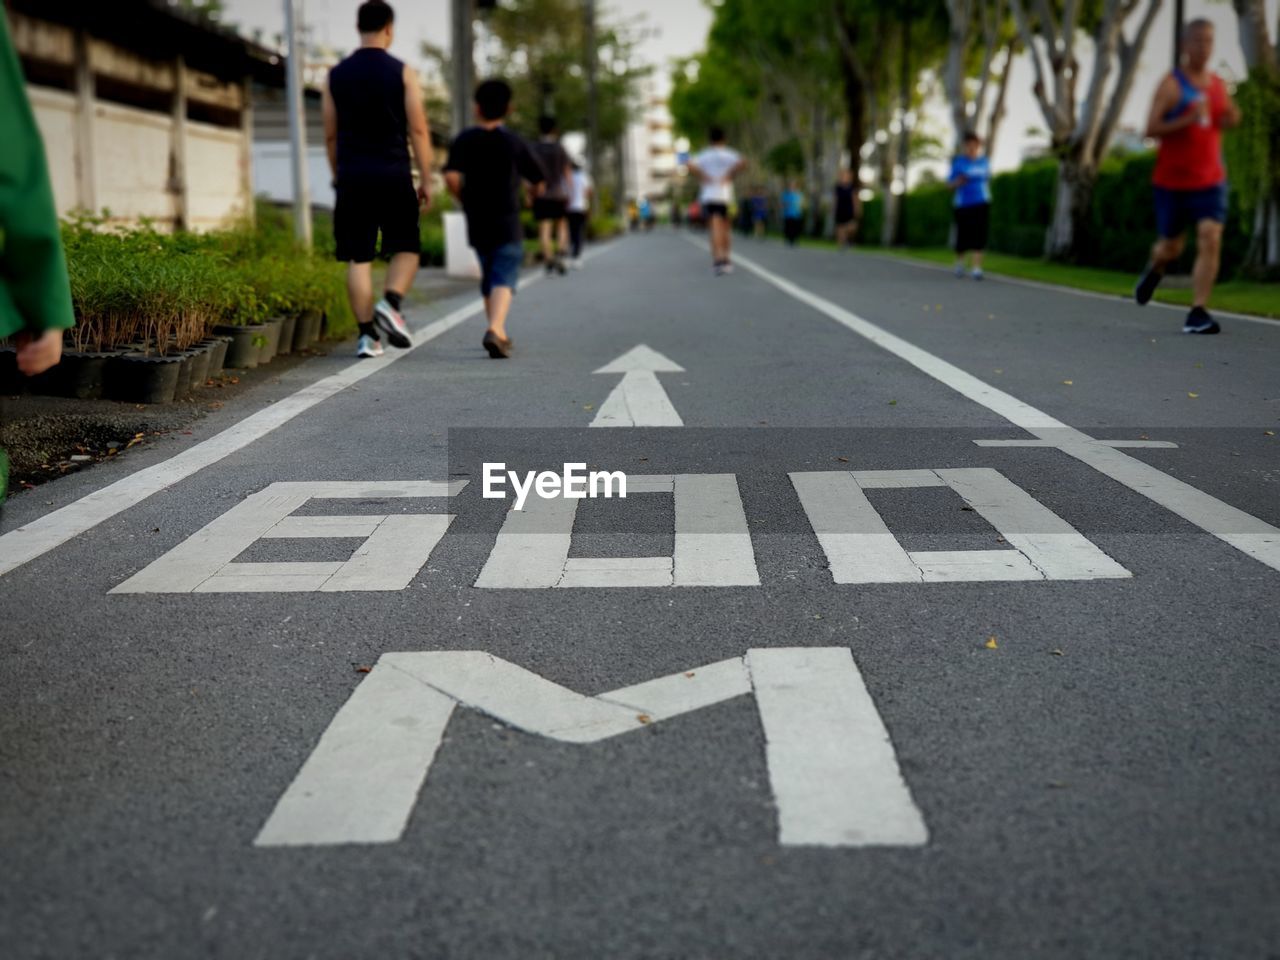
column 135, row 162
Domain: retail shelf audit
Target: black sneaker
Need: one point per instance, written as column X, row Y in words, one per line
column 1199, row 321
column 1147, row 284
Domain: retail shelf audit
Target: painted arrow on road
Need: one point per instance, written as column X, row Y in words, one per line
column 639, row 400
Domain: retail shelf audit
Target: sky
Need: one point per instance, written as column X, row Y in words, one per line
column 680, row 25
column 680, row 28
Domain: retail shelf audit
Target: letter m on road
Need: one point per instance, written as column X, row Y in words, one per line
column 832, row 767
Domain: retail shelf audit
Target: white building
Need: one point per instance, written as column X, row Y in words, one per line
column 650, row 148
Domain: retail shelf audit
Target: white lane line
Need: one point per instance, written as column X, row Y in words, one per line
column 831, row 763
column 1117, row 444
column 1241, row 530
column 639, row 400
column 1056, row 288
column 43, row 534
column 832, row 767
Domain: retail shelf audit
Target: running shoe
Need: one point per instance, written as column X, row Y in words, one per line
column 1147, row 284
column 1199, row 321
column 368, row 347
column 977, row 273
column 959, row 271
column 726, row 267
column 387, row 319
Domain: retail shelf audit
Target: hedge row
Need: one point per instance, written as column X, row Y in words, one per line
column 166, row 291
column 1120, row 235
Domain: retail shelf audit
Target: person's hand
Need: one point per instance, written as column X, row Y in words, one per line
column 38, row 354
column 424, row 196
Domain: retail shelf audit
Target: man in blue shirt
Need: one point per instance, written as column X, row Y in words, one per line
column 971, row 180
column 792, row 213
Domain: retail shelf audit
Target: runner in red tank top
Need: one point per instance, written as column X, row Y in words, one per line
column 1190, row 110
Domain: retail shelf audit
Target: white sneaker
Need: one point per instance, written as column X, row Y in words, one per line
column 387, row 319
column 960, row 270
column 977, row 273
column 368, row 347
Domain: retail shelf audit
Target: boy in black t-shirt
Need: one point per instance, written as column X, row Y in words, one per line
column 486, row 164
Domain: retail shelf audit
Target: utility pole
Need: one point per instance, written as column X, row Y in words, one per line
column 463, row 64
column 297, row 125
column 592, row 56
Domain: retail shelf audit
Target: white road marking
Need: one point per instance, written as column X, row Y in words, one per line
column 393, row 550
column 712, row 543
column 832, row 767
column 639, row 400
column 1116, row 444
column 831, row 763
column 860, row 548
column 361, row 782
column 1055, row 547
column 1241, row 530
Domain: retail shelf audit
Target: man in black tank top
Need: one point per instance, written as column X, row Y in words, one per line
column 372, row 113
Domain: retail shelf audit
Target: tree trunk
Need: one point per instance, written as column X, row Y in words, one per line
column 997, row 109
column 1073, row 203
column 855, row 97
column 891, row 201
column 1255, row 37
column 953, row 78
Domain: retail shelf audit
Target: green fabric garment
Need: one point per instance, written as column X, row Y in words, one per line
column 35, row 293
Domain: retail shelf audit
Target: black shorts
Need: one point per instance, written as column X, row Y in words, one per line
column 367, row 206
column 546, row 208
column 971, row 227
column 710, row 210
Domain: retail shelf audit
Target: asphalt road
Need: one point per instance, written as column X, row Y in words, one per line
column 1079, row 763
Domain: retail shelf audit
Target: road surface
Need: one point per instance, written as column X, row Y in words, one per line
column 939, row 621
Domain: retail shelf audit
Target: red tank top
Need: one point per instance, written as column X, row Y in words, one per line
column 1191, row 158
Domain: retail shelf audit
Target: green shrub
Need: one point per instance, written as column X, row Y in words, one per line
column 166, row 291
column 603, row 226
column 1121, row 229
column 1021, row 207
column 928, row 215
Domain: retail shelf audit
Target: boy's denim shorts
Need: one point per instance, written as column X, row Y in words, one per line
column 500, row 267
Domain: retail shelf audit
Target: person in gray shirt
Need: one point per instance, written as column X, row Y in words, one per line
column 552, row 208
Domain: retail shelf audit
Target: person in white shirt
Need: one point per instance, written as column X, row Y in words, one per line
column 715, row 167
column 580, row 190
